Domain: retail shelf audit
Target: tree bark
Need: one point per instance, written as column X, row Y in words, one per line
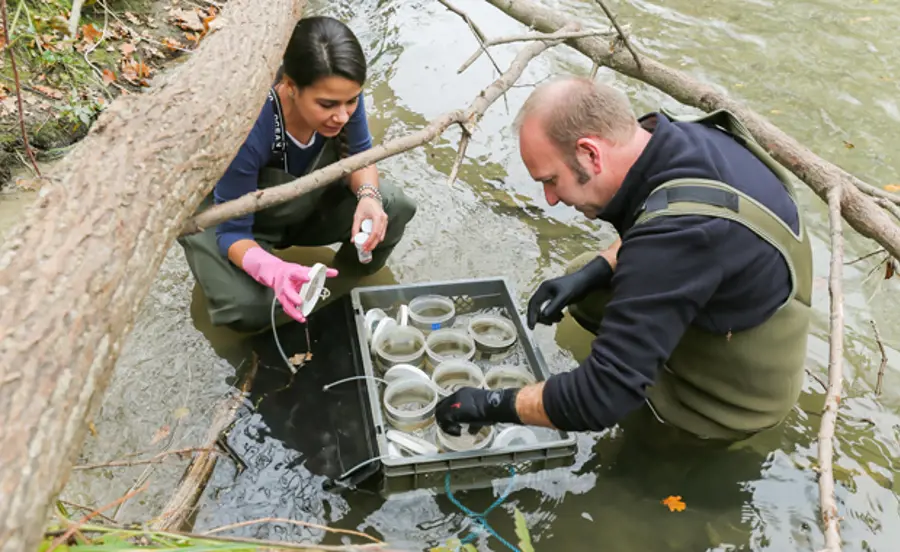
column 74, row 271
column 859, row 210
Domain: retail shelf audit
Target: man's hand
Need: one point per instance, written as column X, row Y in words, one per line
column 478, row 408
column 559, row 292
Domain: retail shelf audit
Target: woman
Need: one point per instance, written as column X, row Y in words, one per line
column 314, row 114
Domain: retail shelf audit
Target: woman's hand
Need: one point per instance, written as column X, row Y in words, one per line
column 370, row 208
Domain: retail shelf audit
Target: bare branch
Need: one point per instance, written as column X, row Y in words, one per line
column 818, row 380
column 827, row 503
column 155, row 460
column 860, row 211
column 261, row 199
column 624, row 38
column 876, row 192
column 525, row 38
column 75, row 526
column 479, row 34
column 74, row 16
column 181, row 505
column 12, row 62
column 292, row 522
column 883, row 360
column 463, row 144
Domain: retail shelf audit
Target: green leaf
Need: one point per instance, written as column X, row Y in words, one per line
column 522, row 532
column 469, row 547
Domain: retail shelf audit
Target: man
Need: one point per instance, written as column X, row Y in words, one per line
column 701, row 309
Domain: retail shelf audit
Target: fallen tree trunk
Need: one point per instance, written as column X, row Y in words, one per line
column 857, row 208
column 74, row 271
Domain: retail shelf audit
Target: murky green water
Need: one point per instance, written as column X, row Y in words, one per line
column 822, row 70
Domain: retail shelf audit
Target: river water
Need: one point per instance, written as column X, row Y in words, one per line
column 820, row 69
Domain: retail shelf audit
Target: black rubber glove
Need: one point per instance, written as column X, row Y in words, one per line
column 478, row 408
column 566, row 290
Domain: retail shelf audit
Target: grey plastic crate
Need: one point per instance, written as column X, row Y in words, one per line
column 470, row 469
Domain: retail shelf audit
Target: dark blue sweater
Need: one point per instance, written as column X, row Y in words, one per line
column 674, row 272
column 257, row 152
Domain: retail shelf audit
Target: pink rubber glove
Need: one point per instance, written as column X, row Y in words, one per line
column 284, row 278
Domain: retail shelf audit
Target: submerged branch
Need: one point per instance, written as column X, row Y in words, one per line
column 180, row 507
column 278, row 194
column 883, row 360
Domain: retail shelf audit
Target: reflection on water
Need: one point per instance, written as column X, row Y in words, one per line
column 762, row 495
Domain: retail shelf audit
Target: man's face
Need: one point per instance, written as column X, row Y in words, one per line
column 579, row 186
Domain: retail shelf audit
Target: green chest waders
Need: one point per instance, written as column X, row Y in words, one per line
column 732, row 386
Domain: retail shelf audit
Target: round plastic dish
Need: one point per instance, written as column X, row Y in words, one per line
column 450, row 375
column 465, row 441
column 314, row 289
column 494, row 336
column 372, row 318
column 448, row 344
column 398, row 345
column 514, row 436
column 507, row 377
column 401, row 371
column 410, row 403
column 431, row 312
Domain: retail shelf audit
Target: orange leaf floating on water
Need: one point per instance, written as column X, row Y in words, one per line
column 674, row 503
column 892, row 188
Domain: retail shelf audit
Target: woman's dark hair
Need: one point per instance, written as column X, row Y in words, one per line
column 321, row 47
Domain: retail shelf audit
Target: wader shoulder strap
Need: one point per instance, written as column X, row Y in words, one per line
column 725, row 121
column 279, row 146
column 696, row 196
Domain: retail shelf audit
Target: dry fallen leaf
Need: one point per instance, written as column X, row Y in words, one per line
column 131, row 17
column 127, row 49
column 108, row 77
column 674, row 503
column 297, row 359
column 188, row 20
column 181, row 412
column 90, row 33
column 93, row 428
column 47, row 91
column 848, row 145
column 889, row 270
column 160, row 434
column 892, row 188
column 135, row 72
column 173, row 44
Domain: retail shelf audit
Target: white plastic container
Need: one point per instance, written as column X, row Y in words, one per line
column 465, row 441
column 452, row 374
column 431, row 312
column 448, row 344
column 409, row 404
column 401, row 371
column 393, row 344
column 508, row 377
column 314, row 289
column 514, row 436
column 360, row 239
column 494, row 336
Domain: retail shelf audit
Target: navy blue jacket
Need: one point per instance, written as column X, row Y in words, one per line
column 673, row 272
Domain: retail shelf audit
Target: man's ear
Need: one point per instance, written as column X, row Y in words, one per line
column 587, row 150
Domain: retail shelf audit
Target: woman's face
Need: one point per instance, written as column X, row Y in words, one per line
column 327, row 104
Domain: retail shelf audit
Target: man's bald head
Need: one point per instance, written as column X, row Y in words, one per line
column 570, row 108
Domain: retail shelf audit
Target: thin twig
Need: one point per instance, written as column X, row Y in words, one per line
column 883, row 360
column 463, row 144
column 874, row 191
column 594, row 69
column 12, row 61
column 526, row 38
column 480, row 37
column 261, row 199
column 624, row 38
column 818, row 379
column 292, row 522
column 136, row 34
column 65, row 536
column 155, row 460
column 827, row 503
column 866, row 256
column 889, row 206
column 87, row 509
